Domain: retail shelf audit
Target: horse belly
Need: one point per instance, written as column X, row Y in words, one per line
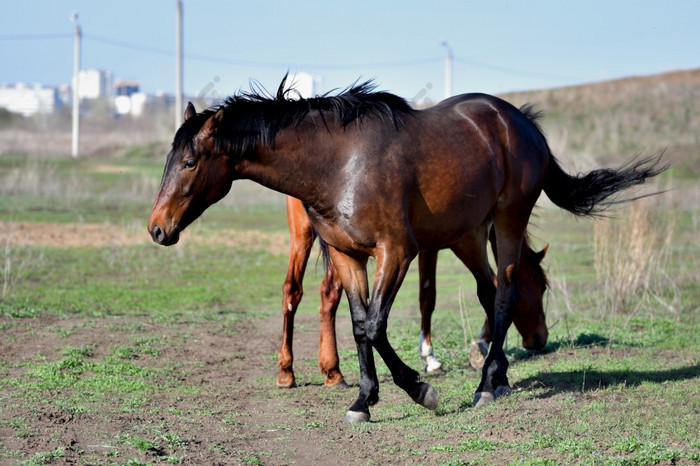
column 440, row 220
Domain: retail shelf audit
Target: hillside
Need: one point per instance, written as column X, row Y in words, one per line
column 605, row 122
column 592, row 124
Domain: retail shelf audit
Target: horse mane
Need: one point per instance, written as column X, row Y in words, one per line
column 256, row 116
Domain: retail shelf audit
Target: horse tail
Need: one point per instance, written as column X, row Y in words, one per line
column 591, row 194
column 325, row 255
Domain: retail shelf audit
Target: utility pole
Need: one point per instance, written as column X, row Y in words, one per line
column 178, row 68
column 448, row 69
column 75, row 140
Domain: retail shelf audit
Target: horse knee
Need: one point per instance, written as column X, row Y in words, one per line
column 293, row 293
column 375, row 331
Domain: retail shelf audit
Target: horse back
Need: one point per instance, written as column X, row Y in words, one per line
column 472, row 152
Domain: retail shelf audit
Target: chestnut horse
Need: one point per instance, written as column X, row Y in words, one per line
column 528, row 317
column 380, row 179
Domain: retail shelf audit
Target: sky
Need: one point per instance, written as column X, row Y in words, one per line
column 498, row 46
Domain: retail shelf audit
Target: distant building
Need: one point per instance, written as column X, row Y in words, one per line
column 126, row 87
column 307, row 85
column 29, row 100
column 94, row 84
column 133, row 104
column 127, row 98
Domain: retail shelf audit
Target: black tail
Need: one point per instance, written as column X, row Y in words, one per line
column 324, row 252
column 593, row 193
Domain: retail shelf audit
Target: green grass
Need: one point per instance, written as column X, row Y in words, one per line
column 138, row 279
column 609, row 388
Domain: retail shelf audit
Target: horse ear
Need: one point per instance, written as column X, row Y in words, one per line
column 211, row 127
column 190, row 111
column 540, row 255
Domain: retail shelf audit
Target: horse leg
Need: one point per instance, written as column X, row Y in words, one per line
column 328, row 361
column 510, row 229
column 353, row 275
column 392, row 265
column 427, row 264
column 301, row 240
column 480, row 348
column 471, row 250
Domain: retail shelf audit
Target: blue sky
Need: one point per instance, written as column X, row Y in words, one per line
column 498, row 45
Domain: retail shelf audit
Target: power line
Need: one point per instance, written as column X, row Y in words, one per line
column 330, row 66
column 513, row 71
column 128, row 45
column 277, row 65
column 44, row 36
column 258, row 63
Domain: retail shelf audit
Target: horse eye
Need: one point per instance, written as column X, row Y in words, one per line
column 189, row 164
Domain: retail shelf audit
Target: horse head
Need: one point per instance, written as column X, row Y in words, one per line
column 529, row 316
column 197, row 174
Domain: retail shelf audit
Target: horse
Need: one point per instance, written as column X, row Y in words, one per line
column 381, row 179
column 529, row 317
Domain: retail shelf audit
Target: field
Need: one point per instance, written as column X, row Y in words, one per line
column 116, row 351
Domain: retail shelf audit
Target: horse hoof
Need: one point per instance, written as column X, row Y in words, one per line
column 502, row 390
column 356, row 417
column 286, row 383
column 481, row 399
column 339, row 384
column 433, row 368
column 434, row 372
column 477, row 354
column 427, row 396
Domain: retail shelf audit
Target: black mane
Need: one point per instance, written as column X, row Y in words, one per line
column 256, row 116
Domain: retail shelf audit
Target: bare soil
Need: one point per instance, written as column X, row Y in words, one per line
column 212, row 396
column 217, row 396
column 235, row 412
column 71, row 235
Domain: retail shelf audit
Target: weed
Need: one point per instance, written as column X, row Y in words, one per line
column 16, row 423
column 174, row 458
column 135, row 462
column 174, row 440
column 47, row 457
column 315, row 425
column 476, row 444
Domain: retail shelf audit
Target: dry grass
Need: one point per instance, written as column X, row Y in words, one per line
column 603, row 123
column 632, row 256
column 45, row 136
column 15, row 260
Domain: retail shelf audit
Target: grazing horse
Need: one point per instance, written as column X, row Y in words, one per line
column 528, row 318
column 381, row 179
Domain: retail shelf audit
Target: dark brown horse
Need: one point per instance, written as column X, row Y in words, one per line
column 528, row 317
column 380, row 179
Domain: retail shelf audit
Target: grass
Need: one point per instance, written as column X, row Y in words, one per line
column 610, row 387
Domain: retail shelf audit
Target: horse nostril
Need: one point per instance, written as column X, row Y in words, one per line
column 157, row 234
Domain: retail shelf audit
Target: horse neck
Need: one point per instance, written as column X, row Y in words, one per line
column 526, row 257
column 300, row 164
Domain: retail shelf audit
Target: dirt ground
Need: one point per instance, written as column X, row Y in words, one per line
column 96, row 235
column 230, row 374
column 212, row 396
column 227, row 410
column 234, row 415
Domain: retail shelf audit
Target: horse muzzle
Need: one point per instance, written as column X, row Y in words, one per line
column 537, row 341
column 160, row 236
